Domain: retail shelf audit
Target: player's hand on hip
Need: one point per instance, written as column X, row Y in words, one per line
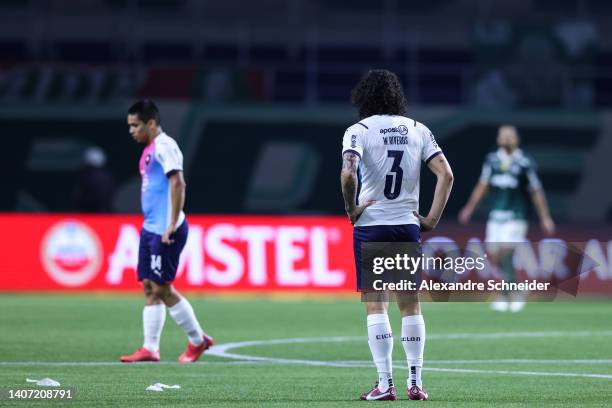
column 166, row 235
column 465, row 215
column 427, row 223
column 548, row 226
column 356, row 212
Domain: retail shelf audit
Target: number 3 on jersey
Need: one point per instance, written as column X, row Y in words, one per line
column 393, row 181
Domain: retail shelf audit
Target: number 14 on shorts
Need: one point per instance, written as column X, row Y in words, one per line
column 156, row 263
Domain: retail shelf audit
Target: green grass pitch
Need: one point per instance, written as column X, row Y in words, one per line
column 551, row 354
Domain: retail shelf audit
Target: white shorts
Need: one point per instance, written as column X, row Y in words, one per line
column 505, row 234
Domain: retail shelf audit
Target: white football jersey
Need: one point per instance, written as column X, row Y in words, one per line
column 391, row 149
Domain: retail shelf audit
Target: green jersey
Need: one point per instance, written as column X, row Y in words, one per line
column 510, row 177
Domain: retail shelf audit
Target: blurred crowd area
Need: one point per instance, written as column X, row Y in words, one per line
column 273, row 78
column 494, row 55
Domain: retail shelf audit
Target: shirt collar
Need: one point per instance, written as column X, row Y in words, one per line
column 503, row 155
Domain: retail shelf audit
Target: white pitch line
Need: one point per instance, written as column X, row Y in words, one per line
column 114, row 363
column 503, row 335
column 504, row 361
column 507, row 372
column 223, row 350
column 448, row 336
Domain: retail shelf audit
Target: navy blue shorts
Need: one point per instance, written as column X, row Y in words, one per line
column 381, row 233
column 158, row 261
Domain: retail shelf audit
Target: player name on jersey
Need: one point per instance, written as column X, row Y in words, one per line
column 395, row 140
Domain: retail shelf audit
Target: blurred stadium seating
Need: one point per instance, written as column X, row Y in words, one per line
column 300, row 51
column 269, row 76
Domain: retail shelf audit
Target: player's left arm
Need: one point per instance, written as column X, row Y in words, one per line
column 541, row 205
column 539, row 200
column 442, row 170
column 432, row 155
column 170, row 158
column 177, row 186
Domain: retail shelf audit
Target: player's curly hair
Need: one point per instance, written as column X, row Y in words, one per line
column 379, row 92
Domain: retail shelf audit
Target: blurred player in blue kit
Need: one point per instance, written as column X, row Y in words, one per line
column 162, row 237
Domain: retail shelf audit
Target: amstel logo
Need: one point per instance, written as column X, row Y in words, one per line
column 71, row 253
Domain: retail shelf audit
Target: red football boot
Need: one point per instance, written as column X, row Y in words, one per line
column 376, row 395
column 142, row 354
column 193, row 353
column 417, row 393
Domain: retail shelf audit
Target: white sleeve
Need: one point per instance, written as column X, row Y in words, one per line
column 485, row 174
column 169, row 156
column 353, row 140
column 430, row 146
column 532, row 177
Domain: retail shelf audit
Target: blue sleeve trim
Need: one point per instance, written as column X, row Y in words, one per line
column 432, row 156
column 359, row 123
column 352, row 151
column 358, row 185
column 171, row 172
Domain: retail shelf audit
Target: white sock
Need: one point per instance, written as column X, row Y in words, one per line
column 380, row 339
column 153, row 318
column 183, row 315
column 413, row 340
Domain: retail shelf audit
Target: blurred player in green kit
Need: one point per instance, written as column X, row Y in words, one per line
column 509, row 177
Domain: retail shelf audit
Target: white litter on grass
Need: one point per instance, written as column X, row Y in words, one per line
column 160, row 387
column 45, row 382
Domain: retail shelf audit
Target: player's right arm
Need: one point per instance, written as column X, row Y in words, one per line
column 352, row 151
column 348, row 181
column 479, row 192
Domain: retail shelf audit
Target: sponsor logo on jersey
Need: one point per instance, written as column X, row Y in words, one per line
column 401, row 129
column 70, row 253
column 354, row 141
column 504, row 180
column 433, row 140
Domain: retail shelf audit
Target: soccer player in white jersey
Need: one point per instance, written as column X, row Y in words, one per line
column 382, row 156
column 162, row 237
column 508, row 177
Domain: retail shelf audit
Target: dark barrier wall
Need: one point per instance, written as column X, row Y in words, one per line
column 266, row 166
column 46, row 155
